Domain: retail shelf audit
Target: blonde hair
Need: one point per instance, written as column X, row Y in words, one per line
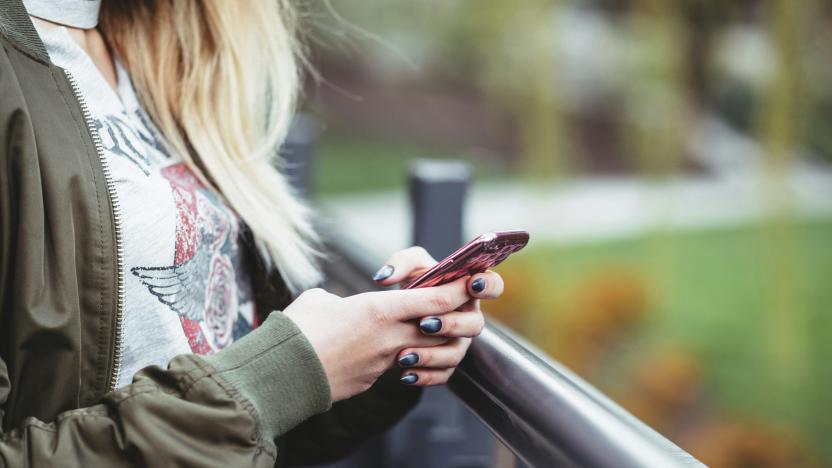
column 220, row 79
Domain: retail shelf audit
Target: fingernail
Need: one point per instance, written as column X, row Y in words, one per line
column 383, row 273
column 478, row 285
column 409, row 359
column 430, row 325
column 409, row 379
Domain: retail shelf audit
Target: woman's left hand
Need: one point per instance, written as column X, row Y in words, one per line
column 435, row 365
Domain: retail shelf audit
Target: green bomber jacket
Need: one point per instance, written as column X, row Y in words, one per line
column 264, row 401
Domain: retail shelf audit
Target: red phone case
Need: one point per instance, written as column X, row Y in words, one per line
column 482, row 253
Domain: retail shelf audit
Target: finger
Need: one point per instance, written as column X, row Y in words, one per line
column 453, row 324
column 439, row 357
column 487, row 285
column 412, row 304
column 409, row 336
column 404, row 264
column 426, row 377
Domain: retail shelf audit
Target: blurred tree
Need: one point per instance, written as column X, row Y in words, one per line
column 780, row 123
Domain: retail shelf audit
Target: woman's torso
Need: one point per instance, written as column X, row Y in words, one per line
column 186, row 285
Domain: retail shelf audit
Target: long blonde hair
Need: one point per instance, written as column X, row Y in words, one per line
column 220, row 79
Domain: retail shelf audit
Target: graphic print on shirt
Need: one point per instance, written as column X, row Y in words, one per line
column 134, row 142
column 201, row 286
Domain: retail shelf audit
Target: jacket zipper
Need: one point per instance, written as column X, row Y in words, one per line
column 111, row 190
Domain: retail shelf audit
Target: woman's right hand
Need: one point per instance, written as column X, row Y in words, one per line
column 358, row 338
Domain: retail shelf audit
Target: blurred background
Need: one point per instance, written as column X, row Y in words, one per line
column 672, row 161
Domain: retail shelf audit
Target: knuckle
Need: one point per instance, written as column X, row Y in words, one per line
column 450, row 325
column 376, row 311
column 382, row 344
column 389, row 347
column 480, row 323
column 406, row 301
column 441, row 303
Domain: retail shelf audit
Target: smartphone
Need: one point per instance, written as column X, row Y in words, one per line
column 482, row 253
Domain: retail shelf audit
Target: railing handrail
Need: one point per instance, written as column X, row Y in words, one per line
column 574, row 422
column 540, row 410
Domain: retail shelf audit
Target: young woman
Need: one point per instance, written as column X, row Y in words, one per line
column 149, row 252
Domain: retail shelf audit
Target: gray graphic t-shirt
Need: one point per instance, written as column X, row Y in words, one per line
column 186, row 289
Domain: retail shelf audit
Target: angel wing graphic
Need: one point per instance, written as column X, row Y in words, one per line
column 181, row 287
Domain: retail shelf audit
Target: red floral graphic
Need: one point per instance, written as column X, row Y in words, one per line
column 201, row 286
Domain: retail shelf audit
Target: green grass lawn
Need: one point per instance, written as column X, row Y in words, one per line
column 751, row 303
column 347, row 163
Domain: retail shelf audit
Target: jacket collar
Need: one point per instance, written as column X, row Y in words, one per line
column 17, row 27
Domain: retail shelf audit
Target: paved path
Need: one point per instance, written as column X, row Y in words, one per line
column 591, row 210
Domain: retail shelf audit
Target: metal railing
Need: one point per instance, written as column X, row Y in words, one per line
column 544, row 413
column 547, row 415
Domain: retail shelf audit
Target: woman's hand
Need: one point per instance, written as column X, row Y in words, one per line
column 359, row 337
column 434, row 364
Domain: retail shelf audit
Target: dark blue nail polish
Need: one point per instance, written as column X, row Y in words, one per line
column 409, row 359
column 478, row 285
column 430, row 325
column 409, row 379
column 383, row 273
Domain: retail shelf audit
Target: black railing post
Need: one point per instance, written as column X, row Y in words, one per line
column 437, row 200
column 297, row 154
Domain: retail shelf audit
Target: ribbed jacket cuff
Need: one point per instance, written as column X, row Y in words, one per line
column 278, row 371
